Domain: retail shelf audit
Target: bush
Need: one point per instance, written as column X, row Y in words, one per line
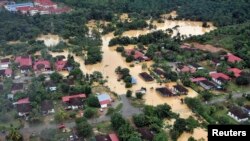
column 129, row 93
column 241, row 80
column 89, row 113
column 128, row 85
column 139, row 95
column 92, row 101
column 120, row 49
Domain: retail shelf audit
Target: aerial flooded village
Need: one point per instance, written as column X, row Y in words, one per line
column 126, row 70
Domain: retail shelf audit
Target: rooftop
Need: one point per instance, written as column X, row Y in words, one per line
column 237, row 111
column 232, row 58
column 236, row 71
column 219, row 75
column 164, row 91
column 146, row 76
column 67, row 98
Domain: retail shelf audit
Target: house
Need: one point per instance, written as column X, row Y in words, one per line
column 42, row 66
column 74, row 101
column 235, row 71
column 137, row 55
column 238, row 114
column 13, row 6
column 146, row 77
column 184, row 69
column 45, row 4
column 61, row 65
column 104, row 100
column 25, row 63
column 219, row 78
column 6, row 73
column 164, row 91
column 159, row 72
column 4, row 64
column 47, row 107
column 195, row 66
column 179, row 89
column 232, row 58
column 146, row 134
column 23, row 106
column 110, row 137
column 207, row 85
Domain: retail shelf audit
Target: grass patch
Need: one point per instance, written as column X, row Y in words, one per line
column 139, row 103
column 104, row 127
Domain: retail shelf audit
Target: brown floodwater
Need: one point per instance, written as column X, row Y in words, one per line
column 49, row 40
column 186, row 28
column 198, row 134
column 112, row 59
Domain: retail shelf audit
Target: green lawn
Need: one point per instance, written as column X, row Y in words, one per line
column 235, row 88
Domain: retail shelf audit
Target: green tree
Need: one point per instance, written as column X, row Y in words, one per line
column 84, row 128
column 139, row 95
column 89, row 113
column 93, row 101
column 162, row 136
column 128, row 93
column 56, row 77
column 164, row 111
column 117, row 121
column 241, row 80
column 61, row 115
column 140, row 120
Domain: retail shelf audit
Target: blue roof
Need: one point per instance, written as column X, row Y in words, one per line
column 12, row 7
column 133, row 80
column 103, row 97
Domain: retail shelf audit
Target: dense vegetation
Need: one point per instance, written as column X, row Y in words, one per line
column 17, row 27
column 234, row 38
column 223, row 12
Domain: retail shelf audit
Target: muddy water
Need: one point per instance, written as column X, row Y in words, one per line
column 198, row 134
column 186, row 28
column 49, row 40
column 112, row 59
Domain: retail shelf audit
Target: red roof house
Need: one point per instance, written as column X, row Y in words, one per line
column 60, row 65
column 236, row 71
column 137, row 54
column 24, row 60
column 23, row 101
column 42, row 65
column 74, row 101
column 8, row 72
column 67, row 98
column 45, row 3
column 219, row 78
column 232, row 58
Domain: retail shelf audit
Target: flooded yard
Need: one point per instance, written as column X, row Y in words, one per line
column 112, row 59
